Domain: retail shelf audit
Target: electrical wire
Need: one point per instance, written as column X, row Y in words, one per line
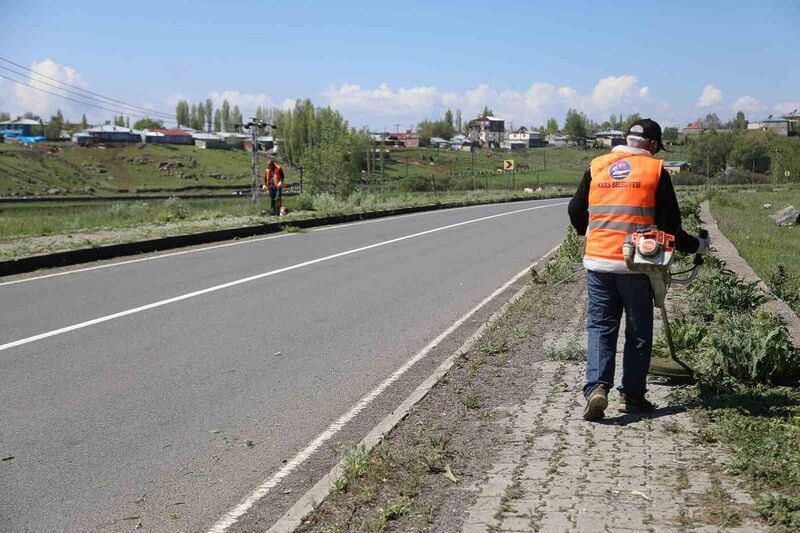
column 115, row 101
column 114, row 110
column 157, row 114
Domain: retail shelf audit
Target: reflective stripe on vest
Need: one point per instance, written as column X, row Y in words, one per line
column 622, row 197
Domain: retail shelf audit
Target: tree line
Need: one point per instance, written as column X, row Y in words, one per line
column 765, row 153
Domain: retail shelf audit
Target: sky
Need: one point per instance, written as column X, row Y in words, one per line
column 389, row 65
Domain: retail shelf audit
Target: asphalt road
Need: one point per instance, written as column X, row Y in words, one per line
column 160, row 392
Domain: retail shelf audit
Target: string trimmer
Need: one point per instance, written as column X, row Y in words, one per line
column 650, row 251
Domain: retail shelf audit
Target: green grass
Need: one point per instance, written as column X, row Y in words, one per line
column 764, row 245
column 119, row 170
column 28, row 220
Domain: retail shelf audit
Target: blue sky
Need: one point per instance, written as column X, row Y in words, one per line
column 387, row 63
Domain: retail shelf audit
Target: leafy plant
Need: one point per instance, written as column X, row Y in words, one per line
column 724, row 291
column 363, row 200
column 567, row 259
column 175, row 208
column 305, row 202
column 751, row 349
column 571, row 352
column 782, row 286
column 327, row 204
column 779, row 510
column 688, row 332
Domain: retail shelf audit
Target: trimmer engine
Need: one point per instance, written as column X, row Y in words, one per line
column 650, row 252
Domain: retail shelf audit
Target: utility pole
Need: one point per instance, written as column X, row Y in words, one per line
column 472, row 151
column 255, row 124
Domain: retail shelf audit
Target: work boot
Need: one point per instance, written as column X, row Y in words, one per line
column 596, row 404
column 634, row 403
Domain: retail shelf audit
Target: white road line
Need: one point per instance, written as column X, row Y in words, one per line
column 131, row 261
column 237, row 243
column 232, row 516
column 248, row 279
column 316, row 494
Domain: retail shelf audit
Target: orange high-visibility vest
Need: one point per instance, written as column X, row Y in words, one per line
column 622, row 199
column 275, row 177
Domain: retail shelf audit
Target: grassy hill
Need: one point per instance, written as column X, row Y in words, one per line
column 125, row 169
column 63, row 169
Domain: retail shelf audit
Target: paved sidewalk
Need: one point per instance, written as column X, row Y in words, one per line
column 558, row 472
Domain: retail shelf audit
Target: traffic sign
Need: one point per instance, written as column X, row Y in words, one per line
column 787, row 173
column 508, row 164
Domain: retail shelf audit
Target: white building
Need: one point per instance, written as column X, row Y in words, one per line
column 525, row 137
column 487, row 130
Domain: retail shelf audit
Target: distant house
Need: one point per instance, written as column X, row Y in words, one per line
column 695, row 128
column 557, row 139
column 487, row 130
column 107, row 133
column 609, row 138
column 21, row 128
column 265, row 143
column 166, row 136
column 407, row 139
column 208, row 141
column 438, row 142
column 513, row 146
column 460, row 142
column 675, row 167
column 528, row 138
column 777, row 125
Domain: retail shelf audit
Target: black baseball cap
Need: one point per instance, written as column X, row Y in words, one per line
column 647, row 129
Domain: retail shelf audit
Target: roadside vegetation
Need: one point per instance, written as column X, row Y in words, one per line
column 748, row 374
column 27, row 229
column 746, row 398
column 771, row 250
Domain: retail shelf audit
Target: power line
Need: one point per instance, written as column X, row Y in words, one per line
column 157, row 114
column 123, row 112
column 82, row 89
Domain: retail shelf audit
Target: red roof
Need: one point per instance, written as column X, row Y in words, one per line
column 694, row 126
column 170, row 131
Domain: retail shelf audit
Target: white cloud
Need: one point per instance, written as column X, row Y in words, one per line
column 786, row 107
column 748, row 104
column 711, row 95
column 173, row 99
column 18, row 99
column 247, row 102
column 532, row 106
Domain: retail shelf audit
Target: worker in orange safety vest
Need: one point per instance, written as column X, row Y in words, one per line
column 625, row 190
column 274, row 182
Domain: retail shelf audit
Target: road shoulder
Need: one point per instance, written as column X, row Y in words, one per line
column 499, row 445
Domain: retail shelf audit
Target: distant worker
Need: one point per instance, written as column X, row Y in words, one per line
column 621, row 192
column 273, row 182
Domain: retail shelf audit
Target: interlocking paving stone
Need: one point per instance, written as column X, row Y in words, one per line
column 624, row 473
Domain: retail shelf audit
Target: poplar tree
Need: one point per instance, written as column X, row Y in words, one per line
column 182, row 113
column 236, row 117
column 226, row 115
column 217, row 121
column 209, row 109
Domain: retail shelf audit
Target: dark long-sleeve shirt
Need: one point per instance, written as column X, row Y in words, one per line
column 668, row 213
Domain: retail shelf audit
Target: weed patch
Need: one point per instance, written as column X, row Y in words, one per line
column 571, row 352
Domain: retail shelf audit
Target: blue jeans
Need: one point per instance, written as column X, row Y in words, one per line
column 609, row 295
